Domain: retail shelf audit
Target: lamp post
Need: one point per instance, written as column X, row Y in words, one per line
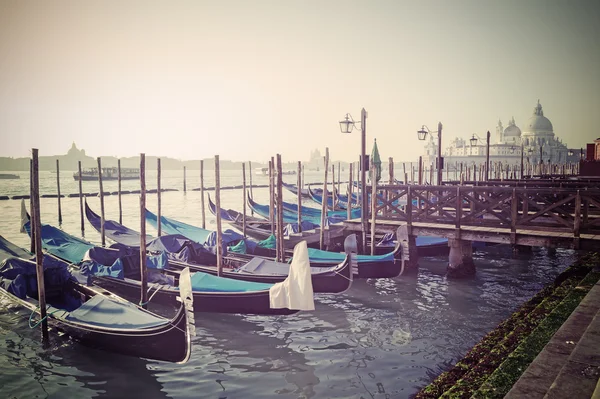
column 422, row 134
column 487, row 152
column 346, row 126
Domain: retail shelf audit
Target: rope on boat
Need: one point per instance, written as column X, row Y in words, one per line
column 158, row 287
column 42, row 319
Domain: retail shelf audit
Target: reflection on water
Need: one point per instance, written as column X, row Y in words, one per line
column 384, row 338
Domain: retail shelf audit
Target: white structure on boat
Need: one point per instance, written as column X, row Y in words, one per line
column 537, row 141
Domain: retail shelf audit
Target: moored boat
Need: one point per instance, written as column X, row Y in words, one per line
column 108, row 173
column 92, row 316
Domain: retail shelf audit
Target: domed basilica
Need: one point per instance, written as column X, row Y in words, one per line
column 536, row 140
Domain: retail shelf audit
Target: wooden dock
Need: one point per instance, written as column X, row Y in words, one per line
column 500, row 212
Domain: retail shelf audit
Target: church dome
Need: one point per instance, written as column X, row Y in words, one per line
column 512, row 130
column 538, row 122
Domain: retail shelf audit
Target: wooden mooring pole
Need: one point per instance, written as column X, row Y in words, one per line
column 58, row 192
column 244, row 199
column 218, row 204
column 280, row 242
column 251, row 195
column 350, row 186
column 32, row 216
column 271, row 195
column 101, row 194
column 119, row 191
column 299, row 184
column 324, row 203
column 158, row 196
column 202, row 194
column 373, row 205
column 143, row 270
column 184, row 180
column 80, row 198
column 39, row 256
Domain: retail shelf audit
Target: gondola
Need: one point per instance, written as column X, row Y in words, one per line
column 382, row 265
column 211, row 293
column 92, row 316
column 332, row 278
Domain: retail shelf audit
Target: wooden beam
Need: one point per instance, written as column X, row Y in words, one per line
column 143, row 269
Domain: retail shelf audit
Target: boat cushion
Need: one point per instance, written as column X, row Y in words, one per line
column 209, row 283
column 102, row 311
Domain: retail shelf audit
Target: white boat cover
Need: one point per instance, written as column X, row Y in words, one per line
column 296, row 292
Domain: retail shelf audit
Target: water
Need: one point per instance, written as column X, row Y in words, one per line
column 383, row 338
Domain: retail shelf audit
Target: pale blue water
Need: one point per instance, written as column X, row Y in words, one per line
column 381, row 339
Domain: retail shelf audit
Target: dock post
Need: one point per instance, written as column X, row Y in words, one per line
column 218, row 204
column 333, row 196
column 143, row 270
column 119, row 191
column 388, row 209
column 299, row 184
column 244, row 199
column 410, row 257
column 271, row 195
column 158, row 197
column 58, row 192
column 101, row 194
column 31, row 221
column 184, row 180
column 324, row 203
column 373, row 206
column 577, row 221
column 251, row 195
column 202, row 193
column 39, row 256
column 420, row 176
column 339, row 175
column 460, row 259
column 80, row 198
column 280, row 243
column 350, row 186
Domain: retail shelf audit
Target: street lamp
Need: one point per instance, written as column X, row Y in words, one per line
column 346, row 126
column 422, row 134
column 487, row 152
column 570, row 153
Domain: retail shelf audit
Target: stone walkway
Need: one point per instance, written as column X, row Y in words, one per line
column 569, row 365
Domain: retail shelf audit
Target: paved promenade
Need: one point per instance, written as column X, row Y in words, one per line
column 569, row 365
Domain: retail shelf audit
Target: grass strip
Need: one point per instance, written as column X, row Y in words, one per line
column 445, row 381
column 505, row 376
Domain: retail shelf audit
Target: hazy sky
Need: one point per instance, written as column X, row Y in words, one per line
column 249, row 79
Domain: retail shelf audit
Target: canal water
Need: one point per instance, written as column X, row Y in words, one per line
column 384, row 338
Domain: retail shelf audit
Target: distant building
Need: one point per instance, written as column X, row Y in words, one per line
column 537, row 140
column 316, row 161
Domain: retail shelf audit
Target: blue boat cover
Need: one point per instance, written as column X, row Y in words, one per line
column 105, row 312
column 115, row 231
column 63, row 245
column 205, row 282
column 265, row 266
column 317, row 255
column 8, row 249
column 292, row 217
column 18, row 276
column 197, row 234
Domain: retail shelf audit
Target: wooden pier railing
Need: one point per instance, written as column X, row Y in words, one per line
column 573, row 211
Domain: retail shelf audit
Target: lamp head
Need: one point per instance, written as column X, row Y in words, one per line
column 422, row 133
column 473, row 141
column 347, row 124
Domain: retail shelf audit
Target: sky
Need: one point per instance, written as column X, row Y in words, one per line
column 249, row 79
